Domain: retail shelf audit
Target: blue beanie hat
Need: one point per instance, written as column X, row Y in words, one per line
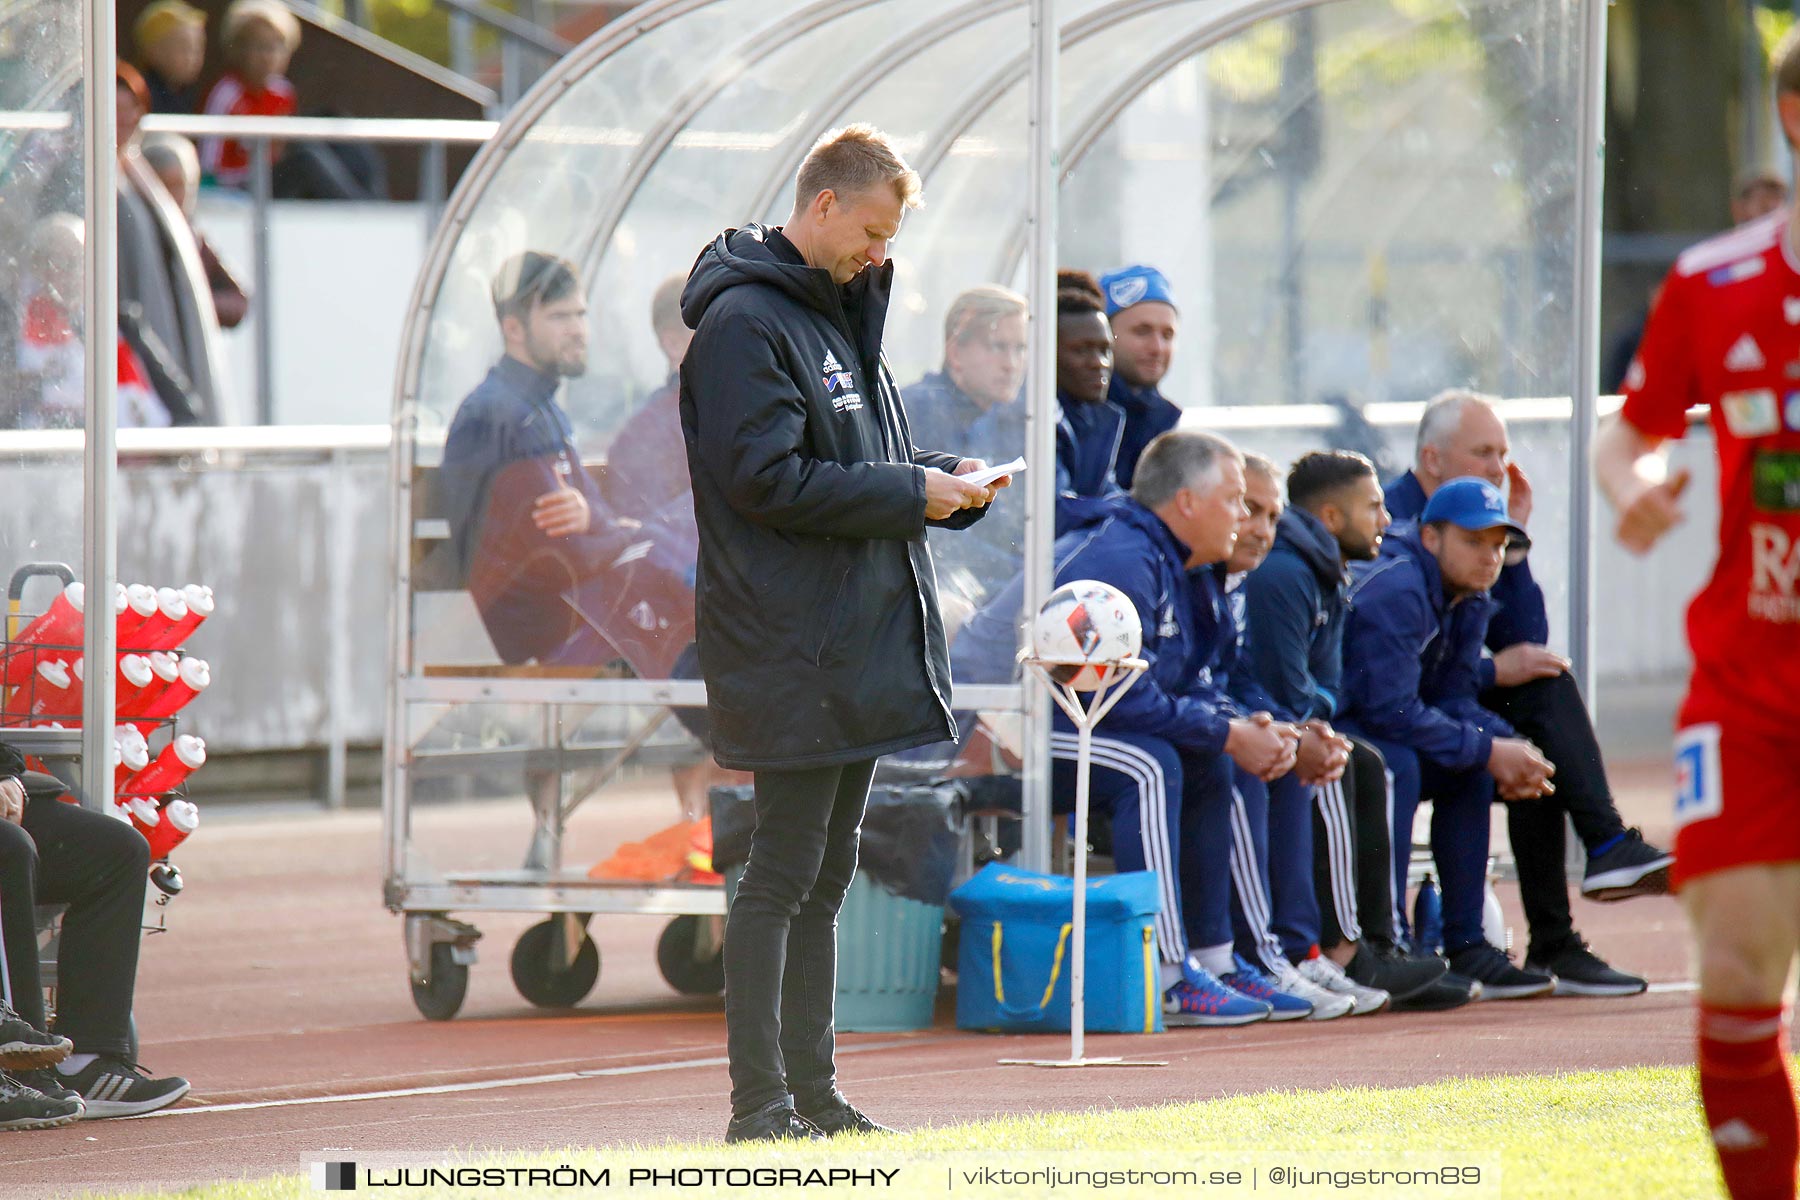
column 1134, row 285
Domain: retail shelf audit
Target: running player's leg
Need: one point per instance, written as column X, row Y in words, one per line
column 1746, row 924
column 1737, row 868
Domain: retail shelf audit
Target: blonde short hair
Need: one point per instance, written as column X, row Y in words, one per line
column 160, row 19
column 979, row 309
column 854, row 160
column 272, row 13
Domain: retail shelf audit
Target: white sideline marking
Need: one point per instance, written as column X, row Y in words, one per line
column 1679, row 985
column 483, row 1085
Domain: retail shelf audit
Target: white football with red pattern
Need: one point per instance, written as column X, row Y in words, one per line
column 1083, row 628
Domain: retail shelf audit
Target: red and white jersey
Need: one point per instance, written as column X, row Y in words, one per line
column 228, row 161
column 1725, row 332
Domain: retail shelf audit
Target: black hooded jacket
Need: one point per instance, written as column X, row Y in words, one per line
column 817, row 616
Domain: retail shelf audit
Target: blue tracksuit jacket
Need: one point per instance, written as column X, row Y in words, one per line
column 1296, row 606
column 1412, row 659
column 1519, row 612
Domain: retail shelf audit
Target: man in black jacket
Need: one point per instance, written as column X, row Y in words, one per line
column 817, row 619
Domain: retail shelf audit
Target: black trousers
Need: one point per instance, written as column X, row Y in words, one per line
column 1351, row 852
column 99, row 867
column 781, row 936
column 1552, row 714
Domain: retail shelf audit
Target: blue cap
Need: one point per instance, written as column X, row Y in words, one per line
column 1134, row 285
column 1472, row 504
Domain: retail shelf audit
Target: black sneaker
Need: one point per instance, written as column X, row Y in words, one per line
column 23, row 1107
column 50, row 1082
column 843, row 1117
column 113, row 1087
column 1395, row 972
column 774, row 1122
column 23, row 1046
column 1581, row 972
column 1499, row 978
column 1632, row 868
column 1441, row 994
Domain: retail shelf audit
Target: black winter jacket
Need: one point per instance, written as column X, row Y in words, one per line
column 816, row 606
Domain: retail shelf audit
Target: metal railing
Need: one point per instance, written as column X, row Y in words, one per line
column 433, row 136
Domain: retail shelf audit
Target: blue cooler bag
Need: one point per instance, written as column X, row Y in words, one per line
column 1017, row 934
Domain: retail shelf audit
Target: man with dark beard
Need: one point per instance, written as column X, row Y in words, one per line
column 1295, row 600
column 527, row 519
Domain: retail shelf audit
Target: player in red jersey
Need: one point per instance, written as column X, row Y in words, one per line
column 1725, row 333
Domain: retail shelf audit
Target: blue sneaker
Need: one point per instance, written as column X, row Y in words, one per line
column 1284, row 1006
column 1200, row 999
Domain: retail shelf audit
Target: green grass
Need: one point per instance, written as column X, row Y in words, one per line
column 1633, row 1133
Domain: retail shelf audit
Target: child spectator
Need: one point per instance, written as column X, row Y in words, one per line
column 260, row 37
column 171, row 45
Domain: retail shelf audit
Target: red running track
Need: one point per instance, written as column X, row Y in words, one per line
column 281, row 991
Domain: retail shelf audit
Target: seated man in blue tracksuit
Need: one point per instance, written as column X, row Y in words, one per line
column 1295, row 608
column 1461, row 433
column 1274, row 913
column 1415, row 621
column 1163, row 756
column 1088, row 425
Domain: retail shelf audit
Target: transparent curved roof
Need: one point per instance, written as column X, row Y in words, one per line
column 1365, row 200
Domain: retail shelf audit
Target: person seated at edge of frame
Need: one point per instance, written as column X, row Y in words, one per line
column 52, row 852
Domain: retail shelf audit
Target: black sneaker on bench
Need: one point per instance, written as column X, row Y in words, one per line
column 23, row 1107
column 23, row 1046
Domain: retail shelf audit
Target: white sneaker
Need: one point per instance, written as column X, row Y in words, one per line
column 1327, row 1005
column 1328, row 975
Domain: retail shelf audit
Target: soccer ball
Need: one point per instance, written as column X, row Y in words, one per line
column 1082, row 630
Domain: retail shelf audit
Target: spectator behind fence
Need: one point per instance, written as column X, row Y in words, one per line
column 1294, row 609
column 260, row 38
column 1412, row 660
column 53, row 852
column 1140, row 307
column 1088, row 426
column 164, row 300
column 1462, row 433
column 170, row 36
column 177, row 166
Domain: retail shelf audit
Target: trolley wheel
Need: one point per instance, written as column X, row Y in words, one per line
column 439, row 998
column 678, row 957
column 535, row 979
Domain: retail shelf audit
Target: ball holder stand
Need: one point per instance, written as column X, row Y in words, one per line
column 1115, row 680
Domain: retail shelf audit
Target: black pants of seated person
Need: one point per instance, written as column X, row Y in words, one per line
column 64, row 854
column 1351, row 854
column 1552, row 714
column 781, row 936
